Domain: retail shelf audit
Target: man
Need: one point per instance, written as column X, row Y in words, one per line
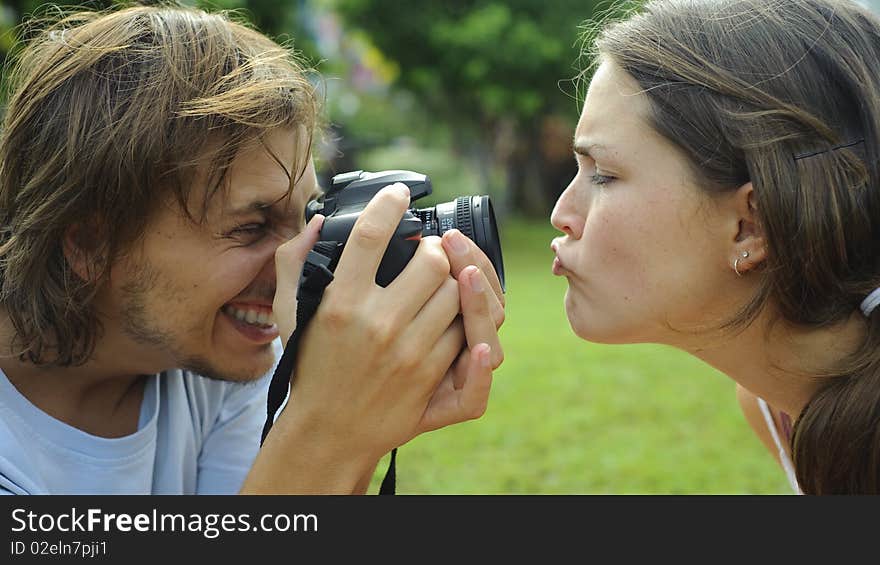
column 154, row 168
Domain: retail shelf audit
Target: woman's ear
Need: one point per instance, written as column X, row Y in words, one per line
column 82, row 252
column 749, row 248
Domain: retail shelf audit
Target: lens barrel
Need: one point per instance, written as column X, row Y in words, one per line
column 474, row 217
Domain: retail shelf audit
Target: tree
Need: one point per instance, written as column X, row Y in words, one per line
column 500, row 72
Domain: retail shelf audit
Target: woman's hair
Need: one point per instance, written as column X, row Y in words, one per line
column 110, row 114
column 785, row 94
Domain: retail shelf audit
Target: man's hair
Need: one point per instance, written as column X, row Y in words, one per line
column 785, row 94
column 110, row 114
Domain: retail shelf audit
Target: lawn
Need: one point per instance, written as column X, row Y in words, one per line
column 570, row 417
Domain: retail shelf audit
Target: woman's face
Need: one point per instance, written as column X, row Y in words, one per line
column 645, row 252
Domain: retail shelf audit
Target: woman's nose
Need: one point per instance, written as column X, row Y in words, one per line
column 566, row 217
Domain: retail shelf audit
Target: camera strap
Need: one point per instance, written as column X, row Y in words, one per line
column 317, row 274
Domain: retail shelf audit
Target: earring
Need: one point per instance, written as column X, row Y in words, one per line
column 743, row 255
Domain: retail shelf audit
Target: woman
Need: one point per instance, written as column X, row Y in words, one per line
column 727, row 203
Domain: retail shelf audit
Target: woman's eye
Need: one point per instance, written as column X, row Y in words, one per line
column 600, row 179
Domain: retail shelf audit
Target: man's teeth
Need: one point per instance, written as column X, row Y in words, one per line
column 253, row 316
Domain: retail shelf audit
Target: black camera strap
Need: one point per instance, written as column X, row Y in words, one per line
column 317, row 274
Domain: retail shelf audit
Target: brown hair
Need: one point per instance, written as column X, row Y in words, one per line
column 110, row 113
column 769, row 91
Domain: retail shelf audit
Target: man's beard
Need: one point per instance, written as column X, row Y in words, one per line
column 139, row 327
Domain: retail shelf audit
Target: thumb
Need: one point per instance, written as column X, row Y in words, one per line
column 289, row 260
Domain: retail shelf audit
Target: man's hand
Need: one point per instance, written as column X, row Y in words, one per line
column 465, row 386
column 378, row 366
column 289, row 261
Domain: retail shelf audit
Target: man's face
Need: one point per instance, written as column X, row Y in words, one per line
column 199, row 295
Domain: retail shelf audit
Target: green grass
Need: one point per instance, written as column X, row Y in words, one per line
column 570, row 417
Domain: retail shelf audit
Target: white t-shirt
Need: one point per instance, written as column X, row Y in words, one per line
column 194, row 436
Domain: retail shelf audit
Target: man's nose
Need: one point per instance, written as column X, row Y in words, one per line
column 267, row 271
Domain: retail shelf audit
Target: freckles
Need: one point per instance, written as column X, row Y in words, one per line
column 604, row 241
column 616, row 253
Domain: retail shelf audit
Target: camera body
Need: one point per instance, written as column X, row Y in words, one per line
column 350, row 192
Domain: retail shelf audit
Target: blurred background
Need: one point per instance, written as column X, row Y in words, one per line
column 482, row 96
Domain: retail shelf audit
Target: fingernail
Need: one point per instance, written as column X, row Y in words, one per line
column 401, row 188
column 458, row 243
column 475, row 280
column 485, row 356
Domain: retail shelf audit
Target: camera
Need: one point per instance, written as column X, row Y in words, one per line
column 349, row 194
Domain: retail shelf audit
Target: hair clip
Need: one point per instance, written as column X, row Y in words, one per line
column 835, row 148
column 871, row 302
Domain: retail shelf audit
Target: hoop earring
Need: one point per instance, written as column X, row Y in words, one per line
column 744, row 255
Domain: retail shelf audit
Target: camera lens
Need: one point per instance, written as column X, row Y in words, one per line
column 474, row 217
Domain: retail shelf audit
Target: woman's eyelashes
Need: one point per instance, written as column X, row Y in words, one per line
column 597, row 178
column 600, row 179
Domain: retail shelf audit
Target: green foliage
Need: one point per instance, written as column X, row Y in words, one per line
column 478, row 58
column 280, row 21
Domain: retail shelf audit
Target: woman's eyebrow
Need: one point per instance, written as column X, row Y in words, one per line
column 589, row 149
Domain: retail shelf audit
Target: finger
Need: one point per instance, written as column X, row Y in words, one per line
column 462, row 251
column 420, row 280
column 445, row 350
column 474, row 394
column 289, row 260
column 479, row 326
column 460, row 368
column 437, row 313
column 371, row 234
column 452, row 403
